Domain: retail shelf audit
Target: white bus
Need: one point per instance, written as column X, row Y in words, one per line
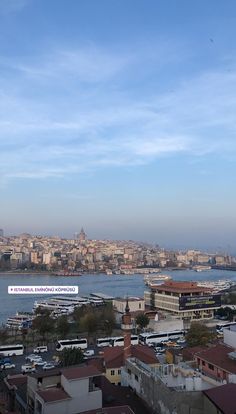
column 10, row 350
column 148, row 338
column 102, row 342
column 81, row 343
column 220, row 326
column 119, row 340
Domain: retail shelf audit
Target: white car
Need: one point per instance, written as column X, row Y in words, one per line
column 89, row 352
column 27, row 368
column 7, row 365
column 33, row 358
column 47, row 366
column 40, row 349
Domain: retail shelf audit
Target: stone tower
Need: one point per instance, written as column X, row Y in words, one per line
column 126, row 327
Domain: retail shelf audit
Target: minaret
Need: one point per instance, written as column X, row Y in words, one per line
column 126, row 327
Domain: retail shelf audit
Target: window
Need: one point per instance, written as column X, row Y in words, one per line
column 119, row 371
column 210, row 366
column 129, row 372
column 139, row 305
column 136, row 377
column 203, row 363
column 112, row 372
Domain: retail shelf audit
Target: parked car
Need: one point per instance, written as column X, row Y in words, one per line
column 27, row 368
column 7, row 365
column 4, row 361
column 89, row 353
column 33, row 358
column 41, row 349
column 48, row 366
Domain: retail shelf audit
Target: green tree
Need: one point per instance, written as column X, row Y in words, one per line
column 199, row 334
column 142, row 320
column 43, row 325
column 63, row 326
column 89, row 323
column 71, row 357
column 107, row 320
column 4, row 334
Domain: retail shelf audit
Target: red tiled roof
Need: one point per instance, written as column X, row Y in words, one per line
column 189, row 353
column 218, row 355
column 114, row 357
column 180, row 287
column 80, row 372
column 223, row 397
column 53, row 394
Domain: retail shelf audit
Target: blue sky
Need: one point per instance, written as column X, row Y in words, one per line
column 119, row 116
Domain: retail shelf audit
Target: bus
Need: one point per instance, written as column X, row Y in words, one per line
column 220, row 326
column 119, row 340
column 79, row 343
column 149, row 338
column 10, row 350
column 102, row 342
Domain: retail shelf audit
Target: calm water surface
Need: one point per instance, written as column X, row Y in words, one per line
column 115, row 285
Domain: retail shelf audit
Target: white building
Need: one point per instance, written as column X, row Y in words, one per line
column 69, row 391
column 135, row 304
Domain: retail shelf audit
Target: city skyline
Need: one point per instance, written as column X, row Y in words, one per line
column 119, row 118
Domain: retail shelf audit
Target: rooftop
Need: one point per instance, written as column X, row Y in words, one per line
column 124, row 409
column 218, row 355
column 114, row 357
column 181, row 287
column 16, row 380
column 53, row 394
column 223, row 397
column 79, row 372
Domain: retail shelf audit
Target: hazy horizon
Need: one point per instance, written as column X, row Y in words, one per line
column 119, row 117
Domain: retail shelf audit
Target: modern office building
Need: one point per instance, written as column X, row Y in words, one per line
column 187, row 300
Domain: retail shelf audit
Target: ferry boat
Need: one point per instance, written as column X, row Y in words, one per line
column 59, row 308
column 217, row 285
column 20, row 320
column 67, row 273
column 152, row 279
column 199, row 268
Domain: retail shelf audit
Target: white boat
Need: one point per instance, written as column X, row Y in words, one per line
column 152, row 279
column 216, row 285
column 19, row 321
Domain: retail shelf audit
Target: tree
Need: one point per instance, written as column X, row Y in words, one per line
column 63, row 326
column 107, row 319
column 43, row 325
column 199, row 334
column 71, row 357
column 89, row 323
column 142, row 320
column 4, row 334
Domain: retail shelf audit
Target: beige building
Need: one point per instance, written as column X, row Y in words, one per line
column 135, row 304
column 187, row 300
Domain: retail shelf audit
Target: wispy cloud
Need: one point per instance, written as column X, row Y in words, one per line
column 10, row 6
column 78, row 111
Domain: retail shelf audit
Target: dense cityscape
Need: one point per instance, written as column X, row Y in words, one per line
column 173, row 347
column 80, row 254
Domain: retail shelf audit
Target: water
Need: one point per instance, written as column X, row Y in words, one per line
column 115, row 285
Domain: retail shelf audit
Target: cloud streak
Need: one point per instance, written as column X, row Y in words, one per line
column 74, row 112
